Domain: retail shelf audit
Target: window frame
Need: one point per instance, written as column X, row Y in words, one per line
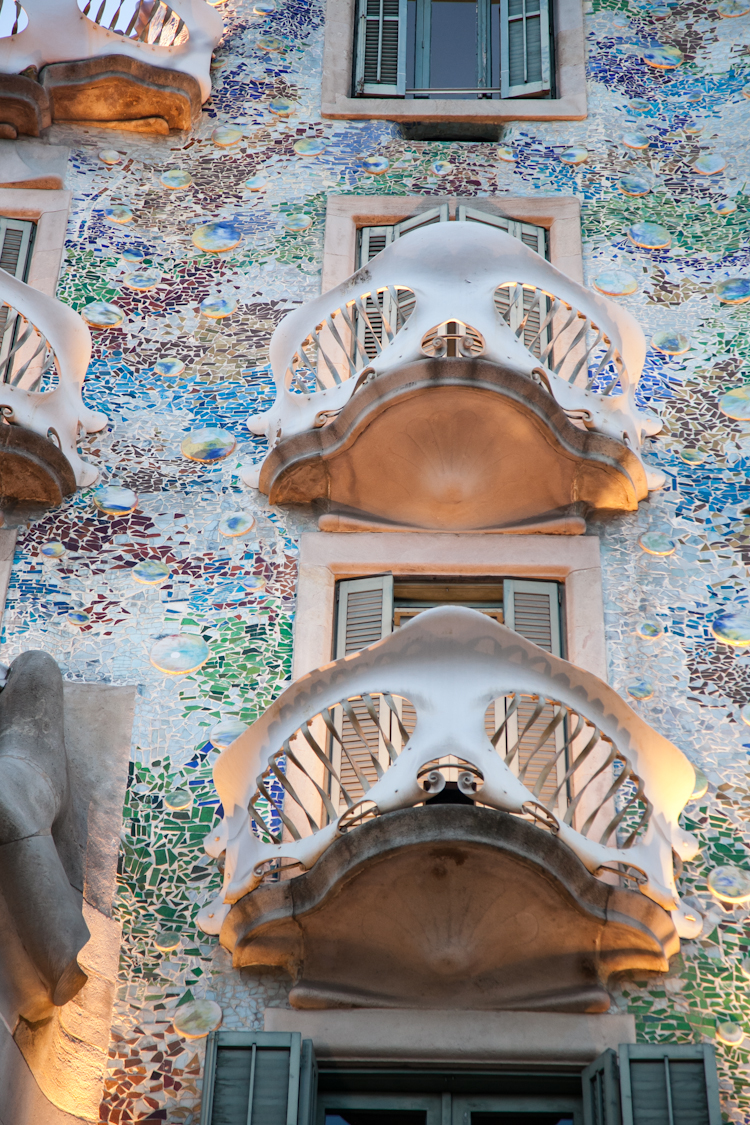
column 569, row 79
column 560, row 215
column 326, row 557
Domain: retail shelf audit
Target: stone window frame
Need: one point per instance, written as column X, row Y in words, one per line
column 327, row 557
column 570, row 81
column 49, row 209
column 346, row 214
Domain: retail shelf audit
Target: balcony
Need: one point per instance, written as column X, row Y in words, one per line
column 141, row 65
column 45, row 348
column 457, row 382
column 456, row 773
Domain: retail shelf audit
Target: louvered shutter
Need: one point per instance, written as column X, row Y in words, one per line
column 258, row 1078
column 520, row 308
column 371, row 240
column 380, row 53
column 669, row 1084
column 532, row 609
column 365, row 615
column 16, row 241
column 525, row 68
column 601, row 1091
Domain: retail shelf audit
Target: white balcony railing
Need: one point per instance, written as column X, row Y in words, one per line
column 179, row 35
column 44, row 341
column 505, row 303
column 453, row 696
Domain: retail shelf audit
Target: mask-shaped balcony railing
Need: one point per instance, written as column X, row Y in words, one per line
column 42, row 339
column 453, row 697
column 89, row 36
column 515, row 308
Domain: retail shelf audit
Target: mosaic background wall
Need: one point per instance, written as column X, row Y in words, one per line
column 661, row 145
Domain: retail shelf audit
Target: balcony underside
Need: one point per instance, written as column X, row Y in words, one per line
column 450, row 906
column 454, row 445
column 109, row 90
column 32, row 468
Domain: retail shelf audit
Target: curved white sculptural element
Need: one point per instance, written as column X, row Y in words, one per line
column 451, row 663
column 454, row 270
column 60, row 410
column 58, row 32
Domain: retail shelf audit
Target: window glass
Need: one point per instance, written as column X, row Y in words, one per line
column 453, row 44
column 521, row 1119
column 376, row 1117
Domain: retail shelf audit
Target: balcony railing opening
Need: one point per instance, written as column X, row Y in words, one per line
column 146, row 21
column 323, row 773
column 13, row 18
column 26, row 356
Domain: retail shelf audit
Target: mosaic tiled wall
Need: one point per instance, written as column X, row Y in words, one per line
column 647, row 128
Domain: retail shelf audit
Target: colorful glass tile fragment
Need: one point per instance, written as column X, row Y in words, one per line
column 143, row 280
column 167, row 941
column 218, row 236
column 235, row 524
column 670, row 343
column 662, row 58
column 175, row 179
column 179, row 654
column 197, row 1018
column 225, row 136
column 729, row 883
column 78, row 618
column 700, row 787
column 616, row 283
column 709, row 165
column 114, row 500
column 649, row 236
column 636, row 140
column 692, row 456
column 732, row 627
column 227, row 732
column 376, row 165
column 505, row 154
column 730, row 1033
column 169, row 366
column 640, row 689
column 297, row 221
column 736, row 403
column 208, row 444
column 634, row 185
column 649, row 629
column 118, row 214
column 576, row 154
column 52, row 549
column 109, row 156
column 217, row 307
column 282, row 107
column 309, row 146
column 656, row 543
column 100, row 314
column 178, row 799
column 256, row 183
column 723, row 207
column 150, row 572
column 734, row 291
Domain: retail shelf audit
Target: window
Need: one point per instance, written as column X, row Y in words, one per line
column 272, row 1078
column 460, row 48
column 16, row 242
column 370, row 608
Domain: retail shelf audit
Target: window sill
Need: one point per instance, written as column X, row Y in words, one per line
column 570, row 108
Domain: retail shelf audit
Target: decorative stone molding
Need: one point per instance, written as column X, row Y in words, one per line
column 451, row 664
column 450, row 907
column 37, row 414
column 454, row 445
column 442, row 292
column 89, row 72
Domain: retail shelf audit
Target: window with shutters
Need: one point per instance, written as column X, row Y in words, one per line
column 16, row 244
column 645, row 1083
column 533, row 735
column 520, row 307
column 454, row 48
column 258, row 1078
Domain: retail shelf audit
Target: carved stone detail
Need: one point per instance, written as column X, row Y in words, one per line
column 450, row 907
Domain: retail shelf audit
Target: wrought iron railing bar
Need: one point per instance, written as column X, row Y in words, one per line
column 509, row 713
column 617, row 784
column 368, row 702
column 580, row 758
column 362, row 310
column 344, row 310
column 574, row 316
column 580, row 335
column 326, row 358
column 551, row 727
column 263, row 792
column 378, row 300
column 311, row 365
column 287, row 786
column 608, row 357
column 534, row 716
column 41, row 347
column 613, row 755
column 348, row 710
column 257, row 817
column 327, row 803
column 584, row 360
column 131, row 26
column 394, row 710
column 143, row 34
column 622, row 370
column 335, row 333
column 317, row 750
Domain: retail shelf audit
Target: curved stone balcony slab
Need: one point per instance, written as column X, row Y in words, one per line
column 47, row 421
column 454, row 445
column 92, row 73
column 474, row 688
column 448, row 289
column 32, row 468
column 450, row 907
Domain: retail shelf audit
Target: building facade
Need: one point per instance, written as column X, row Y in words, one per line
column 388, row 760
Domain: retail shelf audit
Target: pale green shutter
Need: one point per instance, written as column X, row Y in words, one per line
column 532, row 609
column 258, row 1078
column 16, row 242
column 370, row 241
column 525, row 68
column 523, row 310
column 600, row 1086
column 669, row 1084
column 380, row 50
column 365, row 616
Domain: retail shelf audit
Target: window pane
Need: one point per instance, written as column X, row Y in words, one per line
column 453, row 46
column 411, row 41
column 522, row 1119
column 495, row 43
